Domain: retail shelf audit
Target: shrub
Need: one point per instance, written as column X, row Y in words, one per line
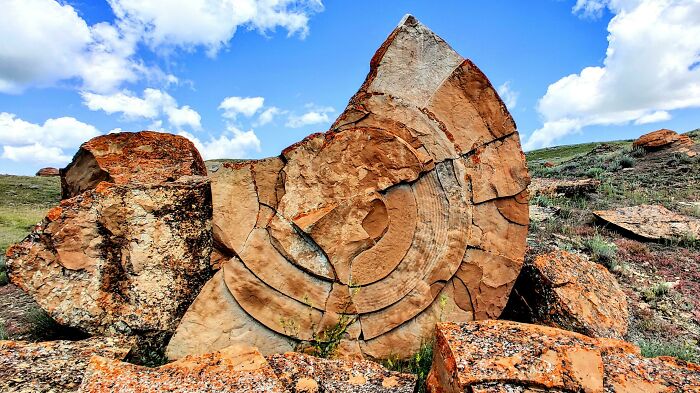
column 418, row 364
column 656, row 291
column 3, row 272
column 626, row 161
column 595, row 172
column 680, row 350
column 602, row 251
column 637, row 152
column 3, row 332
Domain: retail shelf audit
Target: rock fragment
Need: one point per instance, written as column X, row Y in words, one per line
column 421, row 177
column 567, row 187
column 652, row 222
column 53, row 366
column 568, row 291
column 47, row 172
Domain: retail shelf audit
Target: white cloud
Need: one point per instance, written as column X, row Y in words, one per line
column 314, row 115
column 47, row 42
column 509, row 96
column 51, row 142
column 268, row 115
column 155, row 103
column 237, row 145
column 590, row 8
column 247, row 106
column 650, row 69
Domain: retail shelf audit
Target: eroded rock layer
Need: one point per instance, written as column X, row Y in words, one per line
column 411, row 209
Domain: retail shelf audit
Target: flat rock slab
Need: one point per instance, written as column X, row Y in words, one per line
column 568, row 291
column 503, row 356
column 567, row 187
column 411, row 208
column 652, row 222
column 234, row 369
column 304, row 373
column 53, row 366
column 665, row 139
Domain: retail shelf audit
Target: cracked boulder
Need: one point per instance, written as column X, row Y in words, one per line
column 411, row 209
column 54, row 366
column 666, row 140
column 503, row 356
column 651, row 222
column 568, row 291
column 123, row 257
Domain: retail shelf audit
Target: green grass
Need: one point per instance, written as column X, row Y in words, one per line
column 559, row 154
column 680, row 350
column 418, row 364
column 694, row 135
column 602, row 251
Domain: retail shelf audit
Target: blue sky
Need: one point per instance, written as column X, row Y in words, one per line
column 247, row 78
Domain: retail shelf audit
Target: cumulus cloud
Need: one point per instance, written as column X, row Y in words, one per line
column 650, row 69
column 508, row 95
column 247, row 106
column 314, row 115
column 154, row 104
column 53, row 142
column 268, row 115
column 232, row 144
column 50, row 43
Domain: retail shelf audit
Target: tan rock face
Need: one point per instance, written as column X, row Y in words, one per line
column 410, row 210
column 503, row 356
column 233, row 369
column 146, row 157
column 568, row 187
column 304, row 373
column 124, row 258
column 53, row 366
column 652, row 222
column 568, row 291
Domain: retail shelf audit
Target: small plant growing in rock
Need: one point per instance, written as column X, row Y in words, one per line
column 418, row 364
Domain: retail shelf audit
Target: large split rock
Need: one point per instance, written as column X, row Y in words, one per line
column 664, row 139
column 502, row 356
column 124, row 258
column 651, row 222
column 53, row 366
column 410, row 210
column 147, row 157
column 568, row 291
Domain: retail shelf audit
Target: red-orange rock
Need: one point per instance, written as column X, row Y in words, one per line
column 53, row 366
column 146, row 157
column 568, row 291
column 47, row 172
column 411, row 209
column 503, row 356
column 662, row 139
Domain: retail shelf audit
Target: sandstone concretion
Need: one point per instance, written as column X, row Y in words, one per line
column 568, row 291
column 120, row 258
column 567, row 187
column 665, row 140
column 47, row 172
column 304, row 373
column 411, row 209
column 145, row 157
column 233, row 369
column 502, row 356
column 652, row 222
column 53, row 366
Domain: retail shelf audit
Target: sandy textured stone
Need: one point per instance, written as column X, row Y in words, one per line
column 124, row 259
column 153, row 157
column 568, row 187
column 53, row 366
column 568, row 291
column 503, row 356
column 304, row 373
column 651, row 222
column 233, row 369
column 374, row 218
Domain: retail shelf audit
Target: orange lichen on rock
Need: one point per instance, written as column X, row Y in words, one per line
column 503, row 356
column 662, row 139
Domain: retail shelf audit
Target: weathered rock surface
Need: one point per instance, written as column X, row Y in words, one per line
column 233, row 369
column 47, row 172
column 568, row 187
column 502, row 356
column 568, row 291
column 665, row 140
column 652, row 222
column 410, row 210
column 542, row 213
column 53, row 366
column 146, row 157
column 123, row 258
column 304, row 373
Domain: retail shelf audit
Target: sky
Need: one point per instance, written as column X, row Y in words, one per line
column 246, row 78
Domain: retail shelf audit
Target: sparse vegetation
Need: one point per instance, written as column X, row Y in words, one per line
column 3, row 332
column 418, row 364
column 656, row 291
column 681, row 350
column 602, row 251
column 324, row 344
